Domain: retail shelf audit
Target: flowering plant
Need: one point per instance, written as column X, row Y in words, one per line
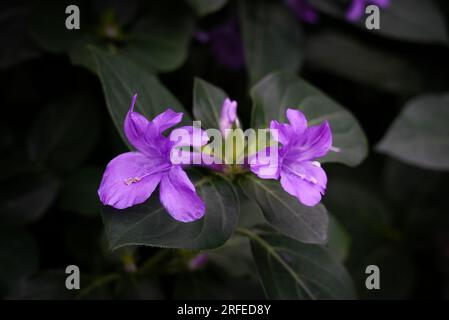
column 121, row 182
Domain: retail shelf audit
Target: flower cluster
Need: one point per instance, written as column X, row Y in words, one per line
column 132, row 177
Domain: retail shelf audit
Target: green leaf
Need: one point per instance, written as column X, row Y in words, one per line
column 289, row 269
column 281, row 90
column 159, row 42
column 414, row 20
column 397, row 273
column 363, row 213
column 121, row 79
column 14, row 33
column 420, row 134
column 26, row 197
column 207, row 103
column 46, row 285
column 47, row 26
column 338, row 239
column 205, row 7
column 362, row 62
column 65, row 132
column 285, row 213
column 271, row 38
column 18, row 258
column 79, row 192
column 234, row 257
column 250, row 213
column 151, row 225
column 409, row 20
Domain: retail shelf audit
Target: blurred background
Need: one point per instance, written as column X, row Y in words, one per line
column 56, row 137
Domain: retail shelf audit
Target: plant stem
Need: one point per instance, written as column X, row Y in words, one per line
column 99, row 282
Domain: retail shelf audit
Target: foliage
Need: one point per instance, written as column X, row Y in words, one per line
column 66, row 95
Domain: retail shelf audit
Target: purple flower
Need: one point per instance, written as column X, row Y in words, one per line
column 198, row 261
column 228, row 116
column 131, row 177
column 295, row 165
column 303, row 10
column 225, row 44
column 357, row 8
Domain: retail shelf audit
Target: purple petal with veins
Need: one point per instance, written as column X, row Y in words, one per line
column 296, row 166
column 132, row 177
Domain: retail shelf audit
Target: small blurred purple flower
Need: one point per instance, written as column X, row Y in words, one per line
column 225, row 44
column 303, row 10
column 357, row 8
column 131, row 177
column 300, row 175
column 228, row 116
column 198, row 261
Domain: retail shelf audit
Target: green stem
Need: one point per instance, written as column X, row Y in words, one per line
column 99, row 282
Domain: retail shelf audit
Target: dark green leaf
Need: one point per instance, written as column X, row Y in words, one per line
column 79, row 192
column 406, row 185
column 18, row 258
column 420, row 134
column 121, row 79
column 149, row 224
column 18, row 45
column 281, row 90
column 397, row 274
column 159, row 43
column 65, row 132
column 25, row 198
column 285, row 213
column 47, row 285
column 362, row 62
column 207, row 103
column 271, row 38
column 413, row 20
column 289, row 269
column 410, row 20
column 205, row 7
column 250, row 213
column 47, row 26
column 338, row 239
column 234, row 257
column 363, row 213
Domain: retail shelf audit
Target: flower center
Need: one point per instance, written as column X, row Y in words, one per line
column 132, row 180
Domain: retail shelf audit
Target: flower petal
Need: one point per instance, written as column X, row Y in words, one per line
column 167, row 119
column 135, row 127
column 305, row 181
column 228, row 115
column 355, row 10
column 297, row 120
column 188, row 136
column 265, row 163
column 314, row 143
column 284, row 131
column 178, row 196
column 130, row 179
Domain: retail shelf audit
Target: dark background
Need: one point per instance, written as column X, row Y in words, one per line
column 50, row 214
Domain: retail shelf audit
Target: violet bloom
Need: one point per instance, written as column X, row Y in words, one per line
column 228, row 116
column 225, row 44
column 357, row 8
column 198, row 261
column 303, row 10
column 295, row 165
column 131, row 177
